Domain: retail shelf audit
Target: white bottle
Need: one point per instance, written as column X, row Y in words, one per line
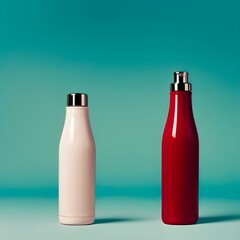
column 77, row 164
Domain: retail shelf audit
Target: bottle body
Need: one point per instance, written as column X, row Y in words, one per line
column 77, row 169
column 180, row 162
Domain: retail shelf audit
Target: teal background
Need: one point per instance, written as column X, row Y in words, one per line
column 123, row 54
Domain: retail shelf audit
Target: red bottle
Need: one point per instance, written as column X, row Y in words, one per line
column 180, row 156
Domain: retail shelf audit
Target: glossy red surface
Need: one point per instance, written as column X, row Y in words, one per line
column 180, row 163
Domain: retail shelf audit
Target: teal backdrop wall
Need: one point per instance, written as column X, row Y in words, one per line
column 123, row 54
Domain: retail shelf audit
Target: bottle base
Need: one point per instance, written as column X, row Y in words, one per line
column 76, row 220
column 180, row 222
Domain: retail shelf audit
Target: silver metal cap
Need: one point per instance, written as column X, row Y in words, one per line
column 77, row 100
column 180, row 82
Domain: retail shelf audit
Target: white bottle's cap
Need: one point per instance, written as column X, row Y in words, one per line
column 77, row 100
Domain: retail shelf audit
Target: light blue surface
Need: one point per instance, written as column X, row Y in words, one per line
column 117, row 218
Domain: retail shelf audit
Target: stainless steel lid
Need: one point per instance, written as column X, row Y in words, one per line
column 77, row 100
column 180, row 82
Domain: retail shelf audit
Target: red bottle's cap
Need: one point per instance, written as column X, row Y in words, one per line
column 180, row 82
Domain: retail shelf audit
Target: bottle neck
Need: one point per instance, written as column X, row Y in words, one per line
column 77, row 114
column 180, row 115
column 182, row 100
column 181, row 106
